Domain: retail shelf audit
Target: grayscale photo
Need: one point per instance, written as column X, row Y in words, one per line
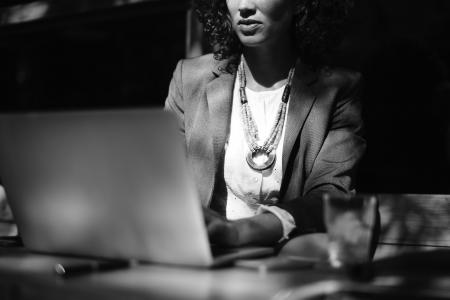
column 224, row 149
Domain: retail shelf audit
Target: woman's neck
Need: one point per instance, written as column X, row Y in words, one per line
column 268, row 68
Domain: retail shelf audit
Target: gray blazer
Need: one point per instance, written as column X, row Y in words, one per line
column 323, row 139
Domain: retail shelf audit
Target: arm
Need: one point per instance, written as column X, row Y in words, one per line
column 263, row 229
column 333, row 172
column 174, row 101
column 335, row 165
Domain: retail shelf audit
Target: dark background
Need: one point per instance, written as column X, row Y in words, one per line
column 125, row 57
column 92, row 55
column 403, row 50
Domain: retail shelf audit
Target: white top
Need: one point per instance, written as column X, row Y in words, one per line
column 252, row 192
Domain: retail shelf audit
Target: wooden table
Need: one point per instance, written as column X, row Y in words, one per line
column 25, row 275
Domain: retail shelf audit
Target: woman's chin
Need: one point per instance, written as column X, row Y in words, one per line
column 252, row 41
column 259, row 41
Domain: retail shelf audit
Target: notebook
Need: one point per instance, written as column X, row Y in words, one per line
column 108, row 183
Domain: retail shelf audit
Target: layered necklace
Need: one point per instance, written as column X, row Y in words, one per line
column 261, row 155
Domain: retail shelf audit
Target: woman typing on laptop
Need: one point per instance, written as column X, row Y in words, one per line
column 268, row 128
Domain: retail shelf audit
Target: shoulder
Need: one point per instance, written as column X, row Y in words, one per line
column 344, row 81
column 192, row 75
column 198, row 68
column 190, row 81
column 200, row 63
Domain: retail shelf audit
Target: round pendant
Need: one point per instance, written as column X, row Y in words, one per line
column 260, row 160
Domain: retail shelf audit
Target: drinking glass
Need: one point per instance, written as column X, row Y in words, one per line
column 350, row 222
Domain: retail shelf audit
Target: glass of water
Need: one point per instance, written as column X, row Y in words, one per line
column 350, row 222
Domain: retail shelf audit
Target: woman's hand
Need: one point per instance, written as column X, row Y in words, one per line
column 220, row 231
column 261, row 230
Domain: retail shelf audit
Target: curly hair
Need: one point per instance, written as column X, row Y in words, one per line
column 317, row 28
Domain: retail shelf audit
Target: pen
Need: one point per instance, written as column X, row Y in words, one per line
column 69, row 269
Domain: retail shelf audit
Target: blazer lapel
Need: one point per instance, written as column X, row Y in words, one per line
column 219, row 94
column 300, row 104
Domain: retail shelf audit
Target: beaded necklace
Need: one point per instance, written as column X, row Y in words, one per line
column 262, row 156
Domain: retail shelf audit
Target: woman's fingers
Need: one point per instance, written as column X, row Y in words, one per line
column 210, row 215
column 220, row 230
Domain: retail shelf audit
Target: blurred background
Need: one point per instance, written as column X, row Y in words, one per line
column 82, row 54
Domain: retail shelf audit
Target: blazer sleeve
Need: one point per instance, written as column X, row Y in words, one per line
column 334, row 168
column 174, row 101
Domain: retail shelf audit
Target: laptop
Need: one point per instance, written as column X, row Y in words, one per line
column 110, row 184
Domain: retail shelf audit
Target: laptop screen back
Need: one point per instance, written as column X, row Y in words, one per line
column 102, row 183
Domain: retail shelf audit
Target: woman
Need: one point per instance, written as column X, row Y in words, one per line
column 268, row 129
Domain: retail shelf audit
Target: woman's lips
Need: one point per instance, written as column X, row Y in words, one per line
column 248, row 26
column 248, row 22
